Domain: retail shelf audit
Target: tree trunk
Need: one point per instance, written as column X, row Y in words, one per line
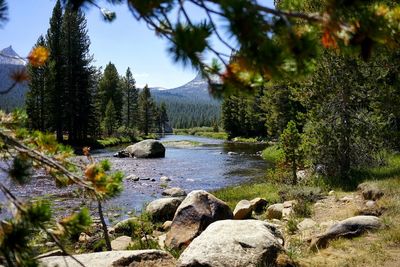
column 104, row 226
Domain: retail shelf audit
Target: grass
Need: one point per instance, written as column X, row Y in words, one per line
column 232, row 195
column 245, row 140
column 272, row 154
column 202, row 131
column 113, row 141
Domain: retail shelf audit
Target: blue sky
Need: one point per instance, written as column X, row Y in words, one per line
column 125, row 42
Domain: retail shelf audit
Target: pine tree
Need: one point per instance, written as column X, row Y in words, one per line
column 110, row 118
column 36, row 99
column 163, row 117
column 291, row 144
column 146, row 110
column 77, row 75
column 131, row 100
column 110, row 89
column 55, row 85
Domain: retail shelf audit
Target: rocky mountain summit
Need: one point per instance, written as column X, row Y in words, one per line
column 11, row 62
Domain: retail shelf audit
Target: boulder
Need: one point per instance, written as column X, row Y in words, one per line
column 230, row 153
column 275, row 211
column 145, row 149
column 174, row 192
column 132, row 258
column 350, row 227
column 258, row 204
column 121, row 242
column 164, row 208
column 370, row 192
column 197, row 211
column 242, row 210
column 234, row 243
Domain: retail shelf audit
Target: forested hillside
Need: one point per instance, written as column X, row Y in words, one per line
column 190, row 105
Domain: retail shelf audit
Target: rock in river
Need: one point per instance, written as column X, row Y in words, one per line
column 197, row 211
column 145, row 149
column 174, row 192
column 242, row 243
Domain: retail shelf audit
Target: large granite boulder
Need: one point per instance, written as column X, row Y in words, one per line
column 131, row 258
column 197, row 211
column 163, row 209
column 350, row 227
column 145, row 149
column 243, row 243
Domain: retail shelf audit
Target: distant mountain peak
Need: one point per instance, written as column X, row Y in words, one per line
column 9, row 56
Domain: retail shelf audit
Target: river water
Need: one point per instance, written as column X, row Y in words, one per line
column 207, row 166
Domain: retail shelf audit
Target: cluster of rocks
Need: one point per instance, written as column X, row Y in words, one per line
column 210, row 234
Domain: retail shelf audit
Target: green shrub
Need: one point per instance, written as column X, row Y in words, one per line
column 273, row 154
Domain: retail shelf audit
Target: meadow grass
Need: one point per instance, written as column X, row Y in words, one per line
column 272, row 154
column 232, row 195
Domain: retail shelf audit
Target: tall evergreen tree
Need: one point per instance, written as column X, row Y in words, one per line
column 131, row 95
column 77, row 75
column 110, row 118
column 55, row 85
column 163, row 117
column 36, row 99
column 146, row 110
column 110, row 89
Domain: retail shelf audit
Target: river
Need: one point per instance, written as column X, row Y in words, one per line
column 206, row 165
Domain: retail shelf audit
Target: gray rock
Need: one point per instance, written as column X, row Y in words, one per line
column 132, row 177
column 165, row 179
column 306, row 224
column 164, row 208
column 242, row 243
column 131, row 258
column 370, row 192
column 197, row 211
column 230, row 153
column 350, row 227
column 174, row 192
column 259, row 204
column 121, row 242
column 145, row 149
column 275, row 211
column 242, row 210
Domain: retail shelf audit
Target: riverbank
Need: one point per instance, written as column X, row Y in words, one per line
column 209, row 132
column 330, row 203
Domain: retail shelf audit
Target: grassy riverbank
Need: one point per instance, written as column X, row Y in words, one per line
column 210, row 133
column 381, row 248
column 114, row 141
